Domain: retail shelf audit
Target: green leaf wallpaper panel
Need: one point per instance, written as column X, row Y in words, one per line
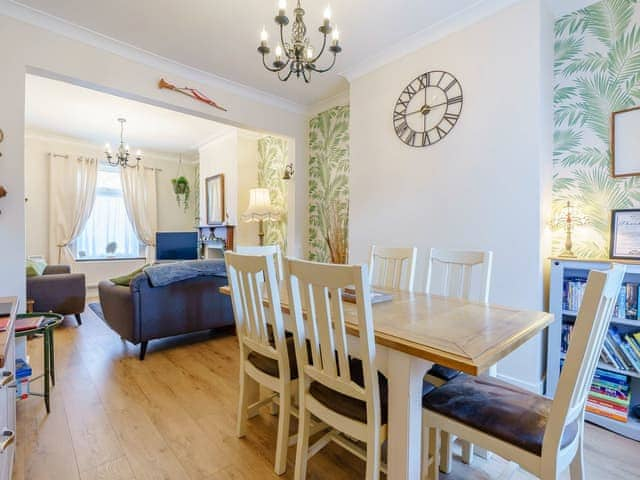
column 328, row 181
column 273, row 155
column 596, row 72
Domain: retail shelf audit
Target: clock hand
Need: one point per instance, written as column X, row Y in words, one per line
column 438, row 105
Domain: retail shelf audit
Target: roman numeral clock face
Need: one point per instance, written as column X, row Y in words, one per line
column 428, row 109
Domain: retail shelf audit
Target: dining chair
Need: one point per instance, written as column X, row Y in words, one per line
column 392, row 267
column 347, row 394
column 457, row 267
column 544, row 436
column 267, row 356
column 264, row 250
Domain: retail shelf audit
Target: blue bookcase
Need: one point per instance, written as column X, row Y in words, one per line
column 562, row 272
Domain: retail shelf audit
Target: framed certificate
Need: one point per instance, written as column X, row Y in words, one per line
column 625, row 234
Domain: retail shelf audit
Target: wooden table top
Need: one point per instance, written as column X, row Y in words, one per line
column 467, row 336
column 4, row 335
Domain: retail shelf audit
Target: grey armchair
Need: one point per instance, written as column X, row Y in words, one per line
column 58, row 290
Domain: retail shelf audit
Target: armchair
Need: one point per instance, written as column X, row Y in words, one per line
column 58, row 290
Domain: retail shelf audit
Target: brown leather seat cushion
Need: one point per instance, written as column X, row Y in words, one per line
column 270, row 366
column 352, row 407
column 444, row 373
column 498, row 408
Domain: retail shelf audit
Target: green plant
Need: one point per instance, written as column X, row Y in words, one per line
column 182, row 190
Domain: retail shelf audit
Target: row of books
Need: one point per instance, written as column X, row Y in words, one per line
column 620, row 350
column 609, row 395
column 626, row 305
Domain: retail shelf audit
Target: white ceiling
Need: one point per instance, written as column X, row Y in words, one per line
column 92, row 116
column 220, row 36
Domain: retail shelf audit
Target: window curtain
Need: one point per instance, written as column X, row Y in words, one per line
column 140, row 199
column 72, row 191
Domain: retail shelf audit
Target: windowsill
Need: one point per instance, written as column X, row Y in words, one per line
column 103, row 260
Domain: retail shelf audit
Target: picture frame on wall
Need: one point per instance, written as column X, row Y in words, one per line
column 625, row 234
column 214, row 193
column 625, row 142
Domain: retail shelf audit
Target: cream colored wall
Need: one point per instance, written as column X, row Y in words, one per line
column 37, row 50
column 482, row 187
column 246, row 233
column 38, row 145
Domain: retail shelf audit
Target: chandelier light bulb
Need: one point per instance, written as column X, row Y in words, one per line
column 264, row 36
column 138, row 153
column 126, row 147
column 278, row 52
column 107, row 147
column 309, row 53
column 282, row 4
column 327, row 13
column 336, row 35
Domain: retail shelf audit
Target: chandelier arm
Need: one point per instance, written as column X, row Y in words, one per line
column 284, row 45
column 272, row 69
column 288, row 74
column 323, row 70
column 324, row 44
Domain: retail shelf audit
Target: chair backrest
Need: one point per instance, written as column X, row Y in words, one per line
column 316, row 289
column 587, row 338
column 392, row 267
column 252, row 279
column 263, row 250
column 458, row 267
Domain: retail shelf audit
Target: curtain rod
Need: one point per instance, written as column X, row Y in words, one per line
column 60, row 155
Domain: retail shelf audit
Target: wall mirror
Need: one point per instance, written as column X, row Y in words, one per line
column 625, row 142
column 214, row 187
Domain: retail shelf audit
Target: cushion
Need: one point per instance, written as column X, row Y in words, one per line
column 270, row 366
column 497, row 408
column 35, row 267
column 125, row 280
column 443, row 373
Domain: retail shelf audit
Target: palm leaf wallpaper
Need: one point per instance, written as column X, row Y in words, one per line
column 597, row 71
column 329, row 185
column 273, row 154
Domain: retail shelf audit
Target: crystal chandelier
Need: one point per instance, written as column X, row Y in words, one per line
column 122, row 154
column 298, row 53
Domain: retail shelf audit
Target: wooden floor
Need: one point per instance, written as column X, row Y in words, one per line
column 173, row 417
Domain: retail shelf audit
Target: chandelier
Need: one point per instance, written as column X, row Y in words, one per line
column 298, row 53
column 122, row 154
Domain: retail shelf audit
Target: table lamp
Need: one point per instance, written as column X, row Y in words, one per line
column 260, row 210
column 567, row 218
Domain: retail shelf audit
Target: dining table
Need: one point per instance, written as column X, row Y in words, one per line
column 413, row 331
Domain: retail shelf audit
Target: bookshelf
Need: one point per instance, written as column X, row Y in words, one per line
column 566, row 275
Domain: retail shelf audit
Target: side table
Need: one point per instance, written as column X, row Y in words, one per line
column 51, row 320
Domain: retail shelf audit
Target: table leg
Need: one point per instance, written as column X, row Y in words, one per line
column 46, row 369
column 405, row 375
column 52, row 357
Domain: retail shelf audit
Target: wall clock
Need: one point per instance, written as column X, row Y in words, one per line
column 428, row 109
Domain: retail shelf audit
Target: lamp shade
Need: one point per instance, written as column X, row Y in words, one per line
column 260, row 207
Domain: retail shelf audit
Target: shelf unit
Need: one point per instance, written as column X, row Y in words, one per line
column 562, row 268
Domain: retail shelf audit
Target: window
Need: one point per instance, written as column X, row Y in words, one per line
column 108, row 233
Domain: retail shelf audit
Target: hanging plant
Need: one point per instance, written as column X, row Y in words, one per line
column 181, row 188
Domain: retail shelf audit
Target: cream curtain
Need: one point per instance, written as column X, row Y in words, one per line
column 140, row 199
column 72, row 191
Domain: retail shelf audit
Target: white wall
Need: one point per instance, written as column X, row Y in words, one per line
column 38, row 145
column 29, row 48
column 483, row 186
column 220, row 156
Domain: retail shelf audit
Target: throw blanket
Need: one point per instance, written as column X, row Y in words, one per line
column 167, row 273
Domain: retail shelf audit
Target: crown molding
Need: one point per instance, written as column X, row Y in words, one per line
column 454, row 23
column 38, row 18
column 340, row 98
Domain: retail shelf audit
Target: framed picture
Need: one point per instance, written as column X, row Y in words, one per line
column 214, row 187
column 625, row 234
column 625, row 142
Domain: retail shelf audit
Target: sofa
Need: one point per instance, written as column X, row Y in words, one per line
column 141, row 312
column 58, row 290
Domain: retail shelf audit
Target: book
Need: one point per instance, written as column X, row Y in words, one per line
column 620, row 310
column 606, row 412
column 632, row 301
column 28, row 323
column 349, row 295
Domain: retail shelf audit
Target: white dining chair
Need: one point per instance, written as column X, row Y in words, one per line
column 347, row 394
column 266, row 355
column 457, row 269
column 392, row 267
column 545, row 437
column 263, row 250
